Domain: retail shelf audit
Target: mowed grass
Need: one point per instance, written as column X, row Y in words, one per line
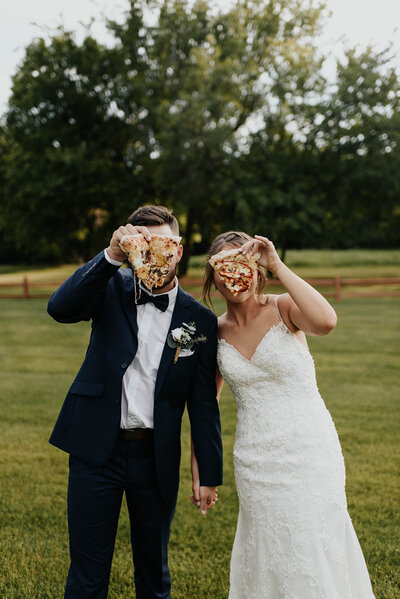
column 307, row 263
column 358, row 376
column 329, row 263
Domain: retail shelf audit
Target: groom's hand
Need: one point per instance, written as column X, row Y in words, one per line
column 208, row 498
column 114, row 251
column 203, row 497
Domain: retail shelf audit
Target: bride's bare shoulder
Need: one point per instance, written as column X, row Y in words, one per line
column 268, row 298
column 224, row 326
column 282, row 303
column 275, row 297
column 221, row 321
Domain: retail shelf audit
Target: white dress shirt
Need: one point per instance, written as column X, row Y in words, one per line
column 139, row 380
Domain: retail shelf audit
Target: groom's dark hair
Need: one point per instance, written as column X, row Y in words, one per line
column 154, row 215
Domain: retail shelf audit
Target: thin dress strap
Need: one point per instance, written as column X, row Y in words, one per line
column 277, row 308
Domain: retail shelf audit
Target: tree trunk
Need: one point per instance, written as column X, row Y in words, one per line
column 187, row 250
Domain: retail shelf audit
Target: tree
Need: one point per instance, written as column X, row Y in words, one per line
column 274, row 192
column 65, row 168
column 356, row 133
column 152, row 119
column 221, row 115
column 209, row 74
column 324, row 171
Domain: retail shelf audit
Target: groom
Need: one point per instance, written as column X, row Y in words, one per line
column 121, row 419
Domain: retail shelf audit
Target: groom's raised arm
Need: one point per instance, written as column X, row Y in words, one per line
column 204, row 413
column 80, row 297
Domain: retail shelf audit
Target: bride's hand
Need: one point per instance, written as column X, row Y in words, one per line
column 268, row 255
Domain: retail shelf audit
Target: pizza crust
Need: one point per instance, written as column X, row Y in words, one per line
column 236, row 270
column 150, row 260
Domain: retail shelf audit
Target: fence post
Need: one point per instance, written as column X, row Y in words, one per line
column 338, row 290
column 25, row 287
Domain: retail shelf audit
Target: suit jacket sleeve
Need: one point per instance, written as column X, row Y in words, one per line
column 204, row 414
column 81, row 296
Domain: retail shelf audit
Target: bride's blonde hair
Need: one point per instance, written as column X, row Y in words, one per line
column 234, row 239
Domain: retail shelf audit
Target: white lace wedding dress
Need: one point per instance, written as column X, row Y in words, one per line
column 294, row 537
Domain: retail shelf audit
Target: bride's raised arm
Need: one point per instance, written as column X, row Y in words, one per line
column 304, row 307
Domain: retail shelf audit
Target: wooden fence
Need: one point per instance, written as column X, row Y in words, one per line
column 26, row 286
column 338, row 283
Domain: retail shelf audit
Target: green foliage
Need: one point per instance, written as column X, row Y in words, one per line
column 327, row 174
column 151, row 119
column 66, row 146
column 356, row 132
column 223, row 115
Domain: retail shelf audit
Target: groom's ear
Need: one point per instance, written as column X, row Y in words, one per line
column 179, row 253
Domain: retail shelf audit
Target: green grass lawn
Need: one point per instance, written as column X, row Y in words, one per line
column 307, row 263
column 329, row 263
column 358, row 376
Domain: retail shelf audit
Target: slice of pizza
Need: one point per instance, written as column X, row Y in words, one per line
column 162, row 250
column 137, row 250
column 236, row 270
column 151, row 260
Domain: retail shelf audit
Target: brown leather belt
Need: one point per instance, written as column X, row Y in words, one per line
column 135, row 433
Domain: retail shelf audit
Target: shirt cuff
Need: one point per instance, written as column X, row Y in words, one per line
column 110, row 260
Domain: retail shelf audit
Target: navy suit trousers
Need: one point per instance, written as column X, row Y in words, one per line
column 94, row 501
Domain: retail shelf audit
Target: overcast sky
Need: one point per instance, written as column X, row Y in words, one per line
column 359, row 21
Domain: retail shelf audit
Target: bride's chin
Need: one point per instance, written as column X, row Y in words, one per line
column 240, row 298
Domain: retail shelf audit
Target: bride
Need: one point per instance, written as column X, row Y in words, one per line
column 294, row 537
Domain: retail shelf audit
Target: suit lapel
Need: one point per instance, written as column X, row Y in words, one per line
column 125, row 286
column 180, row 314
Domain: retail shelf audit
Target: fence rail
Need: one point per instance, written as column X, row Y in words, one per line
column 25, row 285
column 336, row 282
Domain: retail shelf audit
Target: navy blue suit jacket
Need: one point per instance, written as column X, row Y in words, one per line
column 89, row 421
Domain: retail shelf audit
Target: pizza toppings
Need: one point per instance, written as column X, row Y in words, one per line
column 236, row 270
column 150, row 260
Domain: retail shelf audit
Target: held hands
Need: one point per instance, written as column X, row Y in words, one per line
column 268, row 254
column 114, row 251
column 203, row 497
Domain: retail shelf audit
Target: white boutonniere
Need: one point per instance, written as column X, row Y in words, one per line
column 184, row 338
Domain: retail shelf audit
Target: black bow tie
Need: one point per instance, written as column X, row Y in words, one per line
column 160, row 301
